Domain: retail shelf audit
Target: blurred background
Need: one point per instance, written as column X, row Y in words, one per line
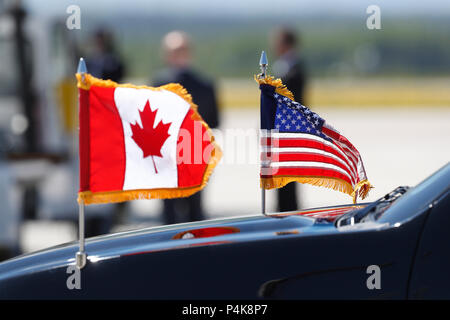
column 387, row 90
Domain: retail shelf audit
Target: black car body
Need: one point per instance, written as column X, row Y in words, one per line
column 311, row 254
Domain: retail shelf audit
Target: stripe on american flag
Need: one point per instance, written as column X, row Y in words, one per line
column 308, row 164
column 300, row 143
column 307, row 171
column 340, row 140
column 348, row 147
column 306, row 145
column 293, row 160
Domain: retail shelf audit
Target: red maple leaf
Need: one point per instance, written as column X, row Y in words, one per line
column 150, row 139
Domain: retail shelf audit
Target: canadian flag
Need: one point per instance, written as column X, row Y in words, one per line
column 138, row 142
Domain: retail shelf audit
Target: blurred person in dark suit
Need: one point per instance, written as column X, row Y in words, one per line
column 177, row 50
column 289, row 66
column 105, row 62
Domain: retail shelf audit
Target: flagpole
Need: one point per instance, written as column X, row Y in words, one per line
column 80, row 257
column 81, row 254
column 263, row 65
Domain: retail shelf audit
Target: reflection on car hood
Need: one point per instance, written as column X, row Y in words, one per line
column 183, row 236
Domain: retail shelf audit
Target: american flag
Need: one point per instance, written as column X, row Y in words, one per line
column 298, row 145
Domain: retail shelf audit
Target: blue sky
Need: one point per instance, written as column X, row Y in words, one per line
column 241, row 7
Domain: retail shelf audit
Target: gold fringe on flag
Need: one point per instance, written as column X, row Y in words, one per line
column 362, row 188
column 327, row 182
column 89, row 197
column 280, row 88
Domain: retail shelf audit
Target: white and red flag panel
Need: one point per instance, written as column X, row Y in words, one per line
column 139, row 142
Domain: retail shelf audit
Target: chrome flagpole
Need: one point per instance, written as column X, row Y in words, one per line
column 263, row 65
column 80, row 257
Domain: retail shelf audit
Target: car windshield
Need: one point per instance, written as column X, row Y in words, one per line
column 373, row 211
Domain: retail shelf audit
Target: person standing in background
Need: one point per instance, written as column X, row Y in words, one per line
column 177, row 51
column 289, row 66
column 105, row 62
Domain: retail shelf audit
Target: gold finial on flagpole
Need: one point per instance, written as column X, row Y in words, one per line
column 82, row 69
column 263, row 64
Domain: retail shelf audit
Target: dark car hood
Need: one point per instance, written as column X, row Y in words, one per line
column 181, row 236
